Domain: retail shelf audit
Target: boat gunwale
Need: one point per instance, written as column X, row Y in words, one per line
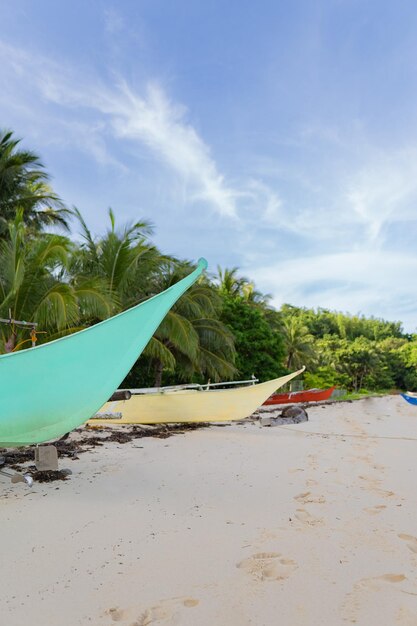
column 314, row 390
column 176, row 391
column 149, row 391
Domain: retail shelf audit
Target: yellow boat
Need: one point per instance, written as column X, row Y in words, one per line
column 198, row 404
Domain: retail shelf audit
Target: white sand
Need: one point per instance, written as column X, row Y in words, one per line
column 232, row 526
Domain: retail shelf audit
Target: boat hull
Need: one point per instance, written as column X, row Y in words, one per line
column 309, row 395
column 410, row 399
column 49, row 390
column 191, row 405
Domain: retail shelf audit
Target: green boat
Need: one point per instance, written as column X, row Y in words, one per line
column 51, row 389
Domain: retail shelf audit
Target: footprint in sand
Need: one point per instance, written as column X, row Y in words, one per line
column 359, row 596
column 411, row 541
column 372, row 583
column 374, row 484
column 153, row 615
column 117, row 614
column 166, row 610
column 306, row 518
column 374, row 510
column 268, row 566
column 309, row 498
column 384, row 493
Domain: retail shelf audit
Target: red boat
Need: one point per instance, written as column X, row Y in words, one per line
column 309, row 395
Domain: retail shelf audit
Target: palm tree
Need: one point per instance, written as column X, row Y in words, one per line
column 122, row 261
column 253, row 296
column 298, row 343
column 191, row 338
column 34, row 286
column 229, row 283
column 24, row 186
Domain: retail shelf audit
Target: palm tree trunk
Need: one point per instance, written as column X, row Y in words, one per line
column 159, row 367
column 10, row 343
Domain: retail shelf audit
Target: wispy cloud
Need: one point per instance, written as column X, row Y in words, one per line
column 145, row 116
column 258, row 194
column 357, row 281
column 309, row 218
column 150, row 119
column 384, row 190
column 161, row 125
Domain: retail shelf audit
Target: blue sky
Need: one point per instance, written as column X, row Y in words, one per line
column 279, row 137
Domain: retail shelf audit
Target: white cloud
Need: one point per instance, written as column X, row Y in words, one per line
column 160, row 125
column 358, row 281
column 336, row 193
column 148, row 118
column 151, row 119
column 384, row 190
column 260, row 194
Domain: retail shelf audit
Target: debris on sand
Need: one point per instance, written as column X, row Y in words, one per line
column 84, row 439
column 290, row 415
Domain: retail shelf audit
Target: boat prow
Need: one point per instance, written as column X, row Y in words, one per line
column 410, row 397
column 51, row 389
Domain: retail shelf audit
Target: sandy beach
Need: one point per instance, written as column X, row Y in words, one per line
column 309, row 524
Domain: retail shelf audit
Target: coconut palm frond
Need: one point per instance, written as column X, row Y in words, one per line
column 158, row 351
column 298, row 343
column 214, row 335
column 86, row 235
column 24, row 185
column 179, row 333
column 94, row 299
column 58, row 308
column 216, row 366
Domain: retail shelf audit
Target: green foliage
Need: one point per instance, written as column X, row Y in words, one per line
column 322, row 322
column 325, row 376
column 298, row 343
column 259, row 349
column 353, row 351
column 406, row 365
column 230, row 284
column 191, row 340
column 221, row 328
column 33, row 287
column 24, row 187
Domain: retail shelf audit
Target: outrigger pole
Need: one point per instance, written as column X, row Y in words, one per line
column 22, row 324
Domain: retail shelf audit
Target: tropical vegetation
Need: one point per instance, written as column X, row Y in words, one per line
column 222, row 328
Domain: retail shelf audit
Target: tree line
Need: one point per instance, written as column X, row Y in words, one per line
column 54, row 271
